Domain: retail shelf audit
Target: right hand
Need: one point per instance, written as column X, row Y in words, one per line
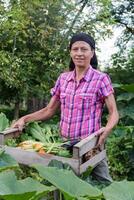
column 20, row 123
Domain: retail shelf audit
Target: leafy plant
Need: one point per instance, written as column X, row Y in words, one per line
column 72, row 187
column 123, row 190
column 68, row 182
column 120, row 146
column 6, row 161
column 4, row 122
column 27, row 189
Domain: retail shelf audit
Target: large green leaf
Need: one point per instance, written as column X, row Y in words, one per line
column 125, row 96
column 68, row 182
column 13, row 189
column 6, row 161
column 123, row 190
column 128, row 88
column 4, row 122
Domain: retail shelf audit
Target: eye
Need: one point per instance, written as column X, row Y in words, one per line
column 84, row 49
column 75, row 49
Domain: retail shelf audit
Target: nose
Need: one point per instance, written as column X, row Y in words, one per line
column 79, row 52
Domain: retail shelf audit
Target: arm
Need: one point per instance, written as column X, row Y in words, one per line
column 112, row 119
column 42, row 114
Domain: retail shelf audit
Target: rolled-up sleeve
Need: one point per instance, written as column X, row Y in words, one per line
column 55, row 91
column 105, row 86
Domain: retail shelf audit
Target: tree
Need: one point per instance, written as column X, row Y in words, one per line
column 122, row 67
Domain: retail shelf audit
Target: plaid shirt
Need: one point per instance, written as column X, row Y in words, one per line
column 81, row 104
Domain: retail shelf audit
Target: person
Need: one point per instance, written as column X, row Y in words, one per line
column 81, row 94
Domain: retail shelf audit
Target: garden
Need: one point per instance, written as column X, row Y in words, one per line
column 34, row 37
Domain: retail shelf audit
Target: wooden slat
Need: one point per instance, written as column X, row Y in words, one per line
column 10, row 130
column 86, row 144
column 30, row 158
column 8, row 133
column 1, row 139
column 93, row 161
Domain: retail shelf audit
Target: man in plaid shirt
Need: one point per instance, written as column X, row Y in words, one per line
column 81, row 94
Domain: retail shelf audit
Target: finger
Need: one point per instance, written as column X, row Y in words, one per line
column 100, row 131
column 20, row 127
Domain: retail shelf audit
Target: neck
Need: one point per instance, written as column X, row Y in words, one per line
column 80, row 72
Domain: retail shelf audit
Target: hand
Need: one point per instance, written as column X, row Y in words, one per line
column 102, row 138
column 101, row 141
column 19, row 124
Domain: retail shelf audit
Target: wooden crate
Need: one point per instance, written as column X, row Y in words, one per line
column 76, row 162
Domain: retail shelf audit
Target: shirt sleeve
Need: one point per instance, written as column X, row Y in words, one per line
column 105, row 86
column 55, row 91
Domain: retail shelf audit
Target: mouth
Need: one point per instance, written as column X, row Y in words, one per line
column 79, row 60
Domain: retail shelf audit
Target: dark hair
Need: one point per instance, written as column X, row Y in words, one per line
column 86, row 38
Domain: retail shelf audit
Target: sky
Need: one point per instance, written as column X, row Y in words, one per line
column 107, row 48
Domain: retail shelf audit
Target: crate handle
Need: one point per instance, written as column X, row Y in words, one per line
column 10, row 130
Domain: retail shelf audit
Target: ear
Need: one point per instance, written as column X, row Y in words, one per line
column 70, row 54
column 92, row 53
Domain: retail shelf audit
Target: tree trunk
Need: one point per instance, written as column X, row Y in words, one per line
column 16, row 109
column 34, row 104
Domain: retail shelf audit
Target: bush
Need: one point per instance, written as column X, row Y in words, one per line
column 120, row 146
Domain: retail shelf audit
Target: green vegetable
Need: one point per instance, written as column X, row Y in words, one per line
column 64, row 153
column 11, row 142
column 36, row 131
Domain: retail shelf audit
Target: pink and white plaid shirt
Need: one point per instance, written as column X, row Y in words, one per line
column 82, row 104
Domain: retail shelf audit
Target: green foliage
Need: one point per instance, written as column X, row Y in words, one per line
column 125, row 102
column 122, row 70
column 4, row 122
column 120, row 144
column 119, row 191
column 6, row 161
column 28, row 40
column 28, row 189
column 68, row 182
column 72, row 187
column 43, row 132
column 122, row 63
column 120, row 147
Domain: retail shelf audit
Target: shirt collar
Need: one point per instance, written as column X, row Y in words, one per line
column 71, row 76
column 87, row 75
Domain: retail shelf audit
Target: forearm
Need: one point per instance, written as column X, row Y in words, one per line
column 111, row 123
column 112, row 119
column 40, row 115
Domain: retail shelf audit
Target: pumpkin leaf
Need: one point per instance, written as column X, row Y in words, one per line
column 6, row 161
column 67, row 182
column 123, row 190
column 26, row 189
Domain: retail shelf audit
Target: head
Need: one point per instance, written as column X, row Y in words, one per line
column 82, row 51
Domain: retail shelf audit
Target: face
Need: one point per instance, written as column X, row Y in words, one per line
column 81, row 54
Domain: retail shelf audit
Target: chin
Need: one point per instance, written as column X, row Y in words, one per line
column 80, row 65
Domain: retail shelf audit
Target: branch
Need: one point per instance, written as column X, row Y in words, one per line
column 73, row 22
column 130, row 29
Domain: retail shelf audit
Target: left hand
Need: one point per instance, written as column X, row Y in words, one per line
column 101, row 140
